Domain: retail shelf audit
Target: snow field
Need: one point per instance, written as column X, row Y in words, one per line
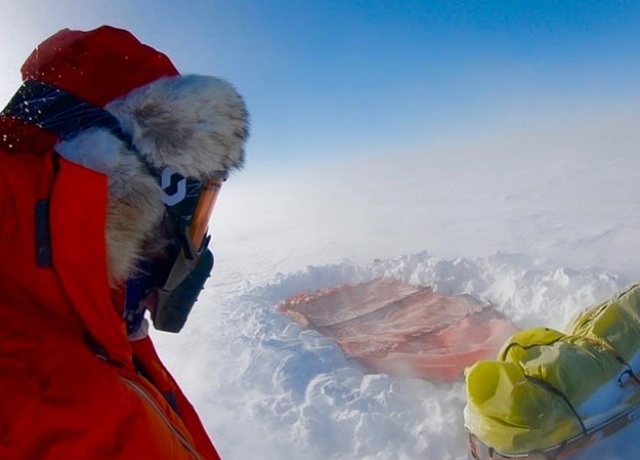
column 540, row 229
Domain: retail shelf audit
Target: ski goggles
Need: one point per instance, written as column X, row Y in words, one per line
column 169, row 286
column 189, row 204
column 188, row 262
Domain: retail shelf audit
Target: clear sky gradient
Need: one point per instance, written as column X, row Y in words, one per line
column 330, row 79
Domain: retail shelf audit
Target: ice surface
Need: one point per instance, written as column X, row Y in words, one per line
column 539, row 232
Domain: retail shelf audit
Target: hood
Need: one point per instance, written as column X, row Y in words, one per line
column 197, row 125
column 104, row 204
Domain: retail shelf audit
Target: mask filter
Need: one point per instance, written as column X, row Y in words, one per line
column 174, row 302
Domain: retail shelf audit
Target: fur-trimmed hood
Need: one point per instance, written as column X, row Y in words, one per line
column 196, row 125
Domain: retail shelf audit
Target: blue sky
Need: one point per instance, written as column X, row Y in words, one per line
column 329, row 79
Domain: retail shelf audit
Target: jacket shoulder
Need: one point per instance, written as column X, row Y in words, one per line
column 66, row 402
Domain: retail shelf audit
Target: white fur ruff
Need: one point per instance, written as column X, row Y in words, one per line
column 196, row 125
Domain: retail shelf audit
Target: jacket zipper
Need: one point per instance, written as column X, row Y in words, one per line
column 154, row 405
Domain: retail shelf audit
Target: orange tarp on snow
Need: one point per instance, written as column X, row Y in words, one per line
column 400, row 329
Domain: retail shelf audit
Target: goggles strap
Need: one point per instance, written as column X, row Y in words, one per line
column 66, row 115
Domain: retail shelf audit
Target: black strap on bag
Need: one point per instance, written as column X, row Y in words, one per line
column 550, row 388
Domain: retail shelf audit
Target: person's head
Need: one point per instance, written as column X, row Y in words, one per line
column 165, row 141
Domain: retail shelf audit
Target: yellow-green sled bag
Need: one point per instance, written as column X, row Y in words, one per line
column 548, row 390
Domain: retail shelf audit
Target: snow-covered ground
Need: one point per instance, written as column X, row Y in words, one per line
column 541, row 225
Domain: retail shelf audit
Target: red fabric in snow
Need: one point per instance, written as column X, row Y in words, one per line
column 400, row 329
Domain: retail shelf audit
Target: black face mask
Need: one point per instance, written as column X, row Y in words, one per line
column 179, row 292
column 168, row 288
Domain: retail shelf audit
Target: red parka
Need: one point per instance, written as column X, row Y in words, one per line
column 73, row 386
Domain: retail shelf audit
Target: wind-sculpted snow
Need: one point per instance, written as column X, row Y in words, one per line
column 265, row 385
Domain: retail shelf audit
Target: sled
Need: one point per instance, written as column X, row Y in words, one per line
column 551, row 394
column 563, row 450
column 396, row 328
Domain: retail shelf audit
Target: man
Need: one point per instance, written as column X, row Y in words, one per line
column 110, row 162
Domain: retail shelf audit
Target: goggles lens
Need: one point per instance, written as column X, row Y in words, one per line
column 197, row 231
